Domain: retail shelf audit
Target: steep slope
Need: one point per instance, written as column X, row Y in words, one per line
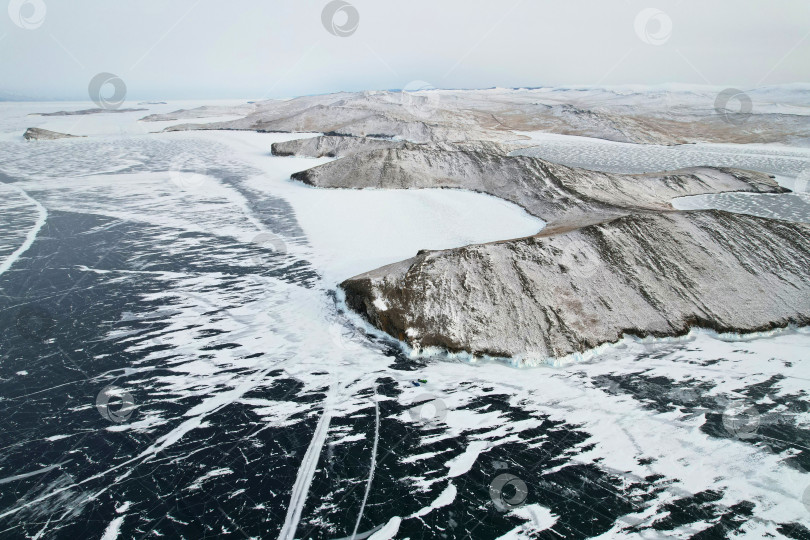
column 561, row 196
column 557, row 294
column 346, row 145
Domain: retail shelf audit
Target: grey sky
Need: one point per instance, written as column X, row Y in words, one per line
column 271, row 48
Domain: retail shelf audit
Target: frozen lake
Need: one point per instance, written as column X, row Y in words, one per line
column 176, row 360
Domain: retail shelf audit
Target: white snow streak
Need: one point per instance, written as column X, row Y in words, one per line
column 389, row 531
column 373, row 462
column 307, row 470
column 32, row 234
column 111, row 532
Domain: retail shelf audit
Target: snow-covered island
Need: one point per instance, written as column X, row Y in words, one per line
column 615, row 257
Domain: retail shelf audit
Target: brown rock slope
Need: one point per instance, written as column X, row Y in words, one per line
column 614, row 258
column 651, row 274
column 562, row 196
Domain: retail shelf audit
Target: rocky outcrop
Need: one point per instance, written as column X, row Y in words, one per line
column 85, row 112
column 331, row 146
column 614, row 258
column 39, row 134
column 206, row 111
column 346, row 145
column 562, row 196
column 645, row 274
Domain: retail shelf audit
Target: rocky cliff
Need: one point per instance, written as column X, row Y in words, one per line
column 646, row 274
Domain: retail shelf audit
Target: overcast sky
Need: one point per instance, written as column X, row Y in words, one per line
column 275, row 48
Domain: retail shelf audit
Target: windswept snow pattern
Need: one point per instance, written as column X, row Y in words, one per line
column 165, row 374
column 18, row 212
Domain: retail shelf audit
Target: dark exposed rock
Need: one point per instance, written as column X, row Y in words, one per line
column 39, row 134
column 88, row 111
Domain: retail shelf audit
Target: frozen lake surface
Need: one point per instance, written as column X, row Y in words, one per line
column 177, row 361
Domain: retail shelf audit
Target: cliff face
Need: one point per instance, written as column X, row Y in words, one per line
column 650, row 274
